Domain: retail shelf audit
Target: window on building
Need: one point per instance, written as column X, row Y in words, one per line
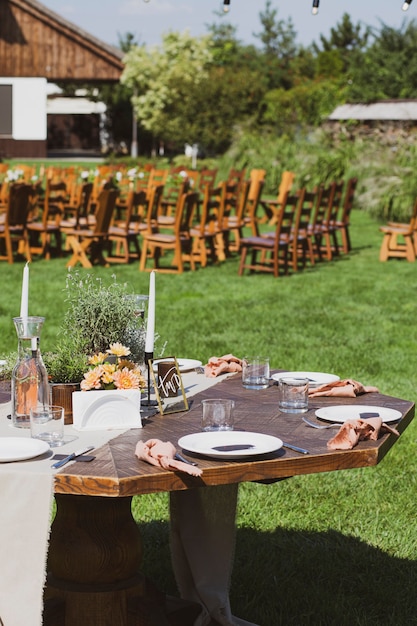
column 6, row 93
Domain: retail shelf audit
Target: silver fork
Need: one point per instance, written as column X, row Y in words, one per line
column 320, row 426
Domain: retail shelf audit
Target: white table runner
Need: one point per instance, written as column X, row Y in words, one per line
column 26, row 495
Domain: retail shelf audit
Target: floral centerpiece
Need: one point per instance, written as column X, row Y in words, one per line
column 116, row 383
column 113, row 370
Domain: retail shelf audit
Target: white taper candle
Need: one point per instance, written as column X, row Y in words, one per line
column 150, row 326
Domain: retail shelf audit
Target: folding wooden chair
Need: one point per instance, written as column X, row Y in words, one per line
column 329, row 243
column 48, row 226
column 88, row 244
column 124, row 235
column 13, row 228
column 180, row 241
column 205, row 231
column 271, row 207
column 400, row 240
column 342, row 225
column 269, row 254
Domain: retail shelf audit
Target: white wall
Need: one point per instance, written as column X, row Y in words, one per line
column 29, row 107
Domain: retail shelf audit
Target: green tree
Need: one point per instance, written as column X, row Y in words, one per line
column 388, row 68
column 165, row 78
column 279, row 48
column 341, row 50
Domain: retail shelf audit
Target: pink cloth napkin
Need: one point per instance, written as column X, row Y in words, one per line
column 353, row 431
column 222, row 365
column 346, row 388
column 162, row 454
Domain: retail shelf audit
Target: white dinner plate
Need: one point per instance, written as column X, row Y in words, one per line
column 185, row 365
column 341, row 413
column 315, row 379
column 20, row 449
column 204, row 443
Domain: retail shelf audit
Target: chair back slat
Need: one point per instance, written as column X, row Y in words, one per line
column 185, row 213
column 21, row 196
column 104, row 213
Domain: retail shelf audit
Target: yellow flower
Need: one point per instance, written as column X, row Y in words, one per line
column 97, row 359
column 107, row 373
column 118, row 349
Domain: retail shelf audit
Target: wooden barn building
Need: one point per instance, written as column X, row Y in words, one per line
column 37, row 47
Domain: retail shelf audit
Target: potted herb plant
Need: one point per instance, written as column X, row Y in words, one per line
column 97, row 316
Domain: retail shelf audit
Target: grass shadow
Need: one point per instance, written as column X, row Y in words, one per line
column 297, row 578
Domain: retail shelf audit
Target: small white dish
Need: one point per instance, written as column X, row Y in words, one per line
column 342, row 413
column 184, row 365
column 204, row 443
column 315, row 379
column 21, row 449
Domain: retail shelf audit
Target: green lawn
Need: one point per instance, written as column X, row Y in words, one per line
column 329, row 549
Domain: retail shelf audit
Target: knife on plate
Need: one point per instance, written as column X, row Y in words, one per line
column 232, row 447
column 71, row 457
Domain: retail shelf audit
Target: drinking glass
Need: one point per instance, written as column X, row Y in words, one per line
column 217, row 414
column 47, row 423
column 255, row 372
column 293, row 395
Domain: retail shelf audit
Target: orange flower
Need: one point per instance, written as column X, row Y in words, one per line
column 126, row 379
column 92, row 380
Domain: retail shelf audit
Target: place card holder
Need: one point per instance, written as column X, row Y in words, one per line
column 168, row 385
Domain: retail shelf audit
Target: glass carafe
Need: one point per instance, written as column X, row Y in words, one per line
column 29, row 378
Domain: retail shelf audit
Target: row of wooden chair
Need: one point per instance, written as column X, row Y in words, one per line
column 220, row 215
column 307, row 225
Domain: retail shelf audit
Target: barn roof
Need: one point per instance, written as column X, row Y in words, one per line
column 388, row 110
column 35, row 41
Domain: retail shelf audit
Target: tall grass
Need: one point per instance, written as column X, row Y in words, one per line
column 338, row 548
column 385, row 166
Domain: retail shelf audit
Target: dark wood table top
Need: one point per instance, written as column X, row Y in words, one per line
column 116, row 472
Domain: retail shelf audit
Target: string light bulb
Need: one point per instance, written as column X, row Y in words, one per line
column 315, row 8
column 406, row 5
column 226, row 6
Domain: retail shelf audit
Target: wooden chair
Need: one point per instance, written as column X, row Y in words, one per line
column 232, row 219
column 77, row 214
column 157, row 177
column 342, row 225
column 400, row 240
column 206, row 177
column 151, row 212
column 250, row 216
column 329, row 244
column 324, row 200
column 124, row 235
column 48, row 225
column 169, row 202
column 269, row 254
column 180, row 241
column 13, row 228
column 301, row 245
column 271, row 207
column 205, row 231
column 87, row 244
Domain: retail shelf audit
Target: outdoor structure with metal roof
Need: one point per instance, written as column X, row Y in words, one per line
column 389, row 110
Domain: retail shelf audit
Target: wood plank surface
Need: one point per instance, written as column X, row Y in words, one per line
column 116, row 472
